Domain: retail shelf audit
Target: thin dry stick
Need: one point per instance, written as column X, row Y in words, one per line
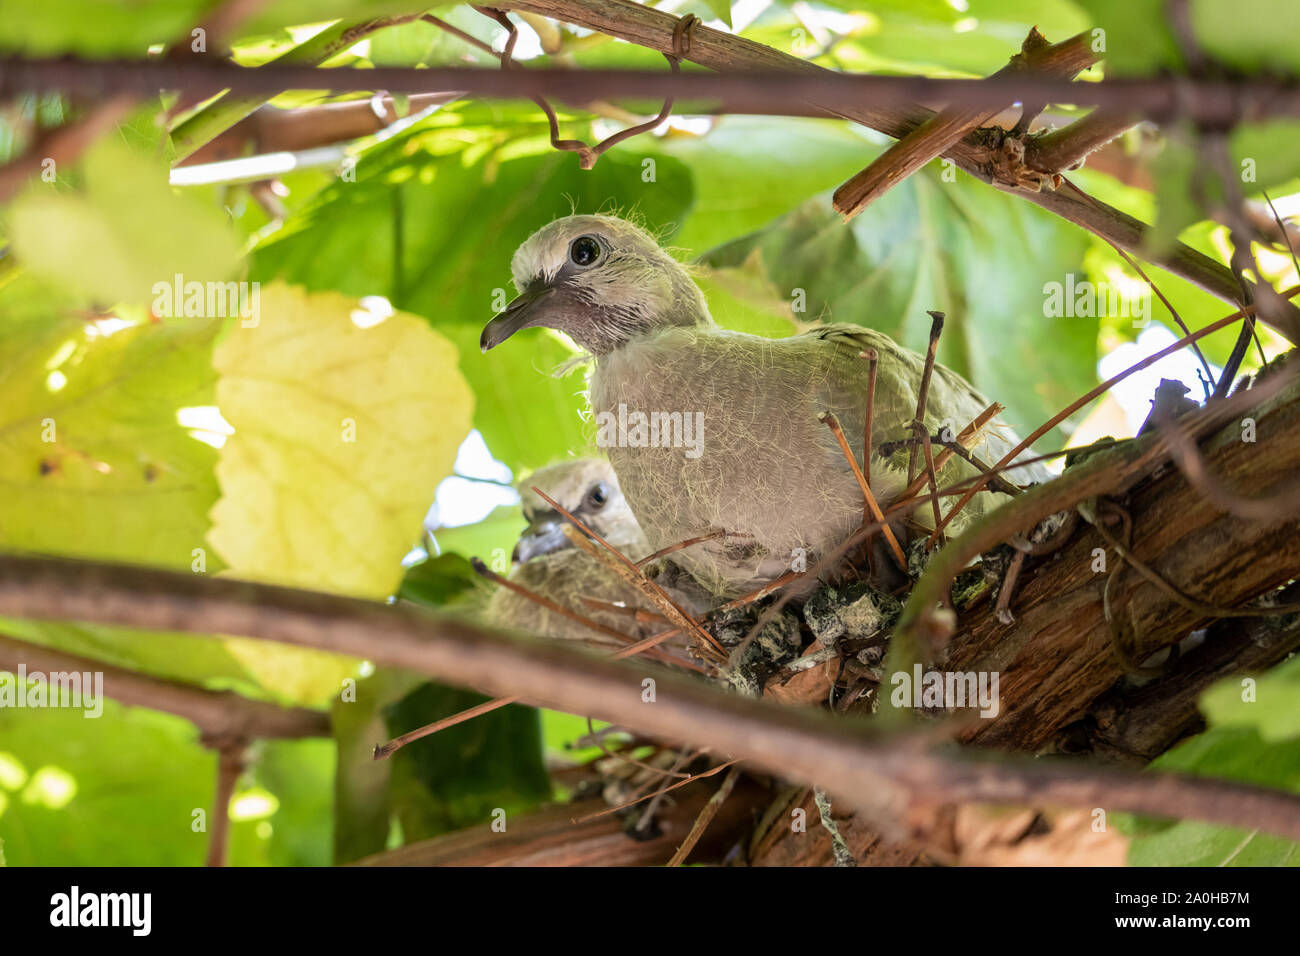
column 588, row 155
column 929, row 469
column 923, row 393
column 758, row 594
column 689, row 542
column 615, row 755
column 638, row 614
column 1154, row 288
column 830, row 421
column 397, row 743
column 1087, row 397
column 633, row 575
column 706, row 817
column 484, row 571
column 684, row 759
column 681, row 783
column 966, row 438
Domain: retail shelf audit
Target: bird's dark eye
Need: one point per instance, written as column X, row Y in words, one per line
column 584, row 251
column 598, row 495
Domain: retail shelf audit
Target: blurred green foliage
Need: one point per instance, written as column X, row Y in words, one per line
column 428, row 218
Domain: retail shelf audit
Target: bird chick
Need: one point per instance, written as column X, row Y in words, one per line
column 760, row 463
column 548, row 564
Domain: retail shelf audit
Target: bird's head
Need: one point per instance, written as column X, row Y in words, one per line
column 586, row 488
column 599, row 279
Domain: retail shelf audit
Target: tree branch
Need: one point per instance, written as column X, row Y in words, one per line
column 1065, row 148
column 978, row 153
column 882, row 775
column 217, row 714
column 937, row 134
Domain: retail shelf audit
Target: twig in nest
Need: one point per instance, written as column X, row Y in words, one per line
column 397, row 743
column 830, row 421
column 684, row 759
column 681, row 783
column 923, row 393
column 996, row 481
column 1087, row 397
column 706, row 817
column 600, row 745
column 689, row 542
column 638, row 614
column 965, row 438
column 629, row 572
column 930, row 473
column 771, row 587
column 1003, row 607
column 484, row 571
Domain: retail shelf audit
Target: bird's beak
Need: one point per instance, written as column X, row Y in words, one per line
column 523, row 310
column 543, row 536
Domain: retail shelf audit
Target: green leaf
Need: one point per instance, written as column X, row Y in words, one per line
column 119, row 789
column 48, row 27
column 92, row 457
column 123, row 238
column 1268, row 703
column 979, row 256
column 493, row 537
column 1234, row 753
column 721, row 9
column 444, row 782
column 738, row 188
column 461, row 776
column 1251, row 35
column 438, row 582
column 1136, row 36
column 345, row 421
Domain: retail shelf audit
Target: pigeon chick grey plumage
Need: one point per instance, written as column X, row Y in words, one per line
column 763, row 465
column 548, row 564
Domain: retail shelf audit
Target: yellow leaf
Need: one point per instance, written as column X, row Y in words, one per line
column 345, row 419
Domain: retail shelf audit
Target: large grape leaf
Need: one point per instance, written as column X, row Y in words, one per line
column 1252, row 738
column 1234, row 753
column 980, row 256
column 344, row 420
column 93, row 460
column 123, row 234
column 1270, row 703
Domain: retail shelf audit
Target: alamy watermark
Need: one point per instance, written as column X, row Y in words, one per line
column 1080, row 298
column 637, row 429
column 947, row 690
column 208, row 300
column 76, row 690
